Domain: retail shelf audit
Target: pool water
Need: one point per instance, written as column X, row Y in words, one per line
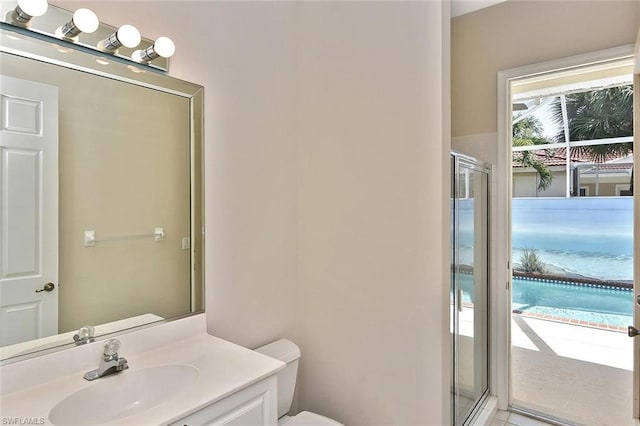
column 610, row 306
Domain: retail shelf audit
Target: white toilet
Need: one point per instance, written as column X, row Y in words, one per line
column 289, row 353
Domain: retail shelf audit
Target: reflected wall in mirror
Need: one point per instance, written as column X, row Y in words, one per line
column 101, row 195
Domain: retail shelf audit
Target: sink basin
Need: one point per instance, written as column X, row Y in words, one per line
column 122, row 395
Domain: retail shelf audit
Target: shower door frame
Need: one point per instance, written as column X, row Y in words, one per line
column 482, row 167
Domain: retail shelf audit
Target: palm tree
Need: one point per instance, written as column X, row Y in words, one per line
column 527, row 132
column 598, row 114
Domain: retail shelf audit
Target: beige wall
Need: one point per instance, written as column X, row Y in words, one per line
column 523, row 32
column 371, row 212
column 525, row 183
column 123, row 171
column 324, row 190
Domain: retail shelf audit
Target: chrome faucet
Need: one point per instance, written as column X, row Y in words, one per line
column 109, row 363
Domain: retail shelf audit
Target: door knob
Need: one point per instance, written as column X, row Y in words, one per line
column 632, row 331
column 47, row 287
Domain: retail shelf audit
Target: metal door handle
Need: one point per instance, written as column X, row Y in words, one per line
column 632, row 331
column 47, row 287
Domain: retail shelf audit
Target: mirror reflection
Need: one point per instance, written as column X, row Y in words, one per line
column 96, row 205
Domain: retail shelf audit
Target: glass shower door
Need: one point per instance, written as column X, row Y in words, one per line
column 469, row 286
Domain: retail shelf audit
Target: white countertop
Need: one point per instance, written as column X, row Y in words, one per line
column 224, row 368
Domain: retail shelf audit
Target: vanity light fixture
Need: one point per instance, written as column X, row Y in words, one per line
column 125, row 42
column 162, row 47
column 127, row 36
column 83, row 21
column 28, row 9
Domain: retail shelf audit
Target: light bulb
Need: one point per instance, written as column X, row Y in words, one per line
column 27, row 9
column 164, row 47
column 33, row 7
column 85, row 20
column 129, row 36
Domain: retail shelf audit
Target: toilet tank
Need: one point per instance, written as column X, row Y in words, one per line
column 288, row 352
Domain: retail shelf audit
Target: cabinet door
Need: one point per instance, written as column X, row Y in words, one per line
column 254, row 406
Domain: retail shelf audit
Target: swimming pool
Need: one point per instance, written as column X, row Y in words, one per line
column 608, row 305
column 583, row 237
column 579, row 237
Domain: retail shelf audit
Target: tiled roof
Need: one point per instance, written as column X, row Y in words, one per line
column 610, row 167
column 557, row 157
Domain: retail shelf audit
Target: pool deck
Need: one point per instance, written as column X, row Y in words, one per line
column 572, row 321
column 583, row 374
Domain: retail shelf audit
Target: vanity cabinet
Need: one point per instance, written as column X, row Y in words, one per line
column 252, row 406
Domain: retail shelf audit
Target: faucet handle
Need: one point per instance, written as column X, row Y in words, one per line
column 86, row 334
column 122, row 364
column 111, row 347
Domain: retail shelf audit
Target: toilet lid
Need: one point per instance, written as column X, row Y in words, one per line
column 311, row 419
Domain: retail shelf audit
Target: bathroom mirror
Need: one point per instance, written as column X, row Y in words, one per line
column 101, row 204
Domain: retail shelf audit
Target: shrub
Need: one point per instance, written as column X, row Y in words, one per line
column 530, row 262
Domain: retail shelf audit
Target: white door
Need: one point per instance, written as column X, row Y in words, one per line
column 28, row 210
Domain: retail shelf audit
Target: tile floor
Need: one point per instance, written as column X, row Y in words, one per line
column 505, row 418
